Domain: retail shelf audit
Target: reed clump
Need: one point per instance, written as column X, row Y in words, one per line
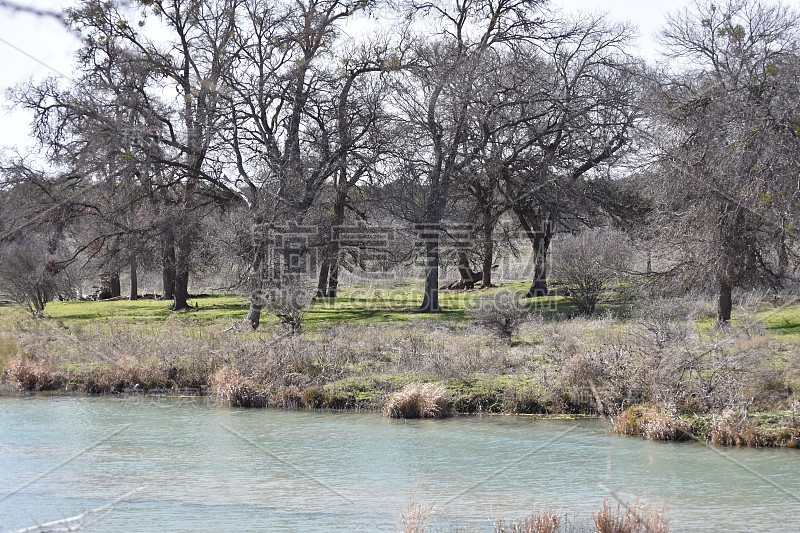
column 233, row 389
column 741, row 433
column 418, row 400
column 537, row 522
column 651, row 422
column 629, row 519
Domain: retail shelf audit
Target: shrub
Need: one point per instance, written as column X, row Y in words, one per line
column 31, row 275
column 503, row 314
column 586, row 263
column 34, row 375
column 418, row 400
column 289, row 303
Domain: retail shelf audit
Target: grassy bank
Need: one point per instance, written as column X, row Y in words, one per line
column 368, row 349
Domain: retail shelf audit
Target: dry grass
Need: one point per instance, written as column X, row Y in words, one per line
column 416, row 518
column 727, row 432
column 652, row 423
column 629, row 519
column 538, row 522
column 29, row 375
column 602, row 365
column 8, row 350
column 418, row 400
column 230, row 387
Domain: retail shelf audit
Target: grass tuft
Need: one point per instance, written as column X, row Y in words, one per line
column 231, row 388
column 418, row 400
column 538, row 522
column 630, row 519
column 651, row 422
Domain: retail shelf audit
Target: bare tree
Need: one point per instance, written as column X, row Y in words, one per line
column 586, row 263
column 728, row 193
column 32, row 274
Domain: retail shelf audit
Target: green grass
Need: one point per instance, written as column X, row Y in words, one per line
column 780, row 319
column 783, row 320
column 354, row 305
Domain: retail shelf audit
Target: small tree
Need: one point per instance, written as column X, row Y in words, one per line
column 30, row 275
column 587, row 263
column 289, row 303
column 503, row 314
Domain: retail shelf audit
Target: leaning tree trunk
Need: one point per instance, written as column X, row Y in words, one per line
column 430, row 302
column 725, row 302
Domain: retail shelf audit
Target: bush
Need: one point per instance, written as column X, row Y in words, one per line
column 586, row 263
column 503, row 314
column 30, row 275
column 418, row 400
column 289, row 303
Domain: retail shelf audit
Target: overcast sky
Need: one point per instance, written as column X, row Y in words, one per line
column 35, row 47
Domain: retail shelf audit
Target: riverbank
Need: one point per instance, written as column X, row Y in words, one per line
column 699, row 380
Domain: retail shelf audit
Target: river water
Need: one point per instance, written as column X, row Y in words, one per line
column 196, row 466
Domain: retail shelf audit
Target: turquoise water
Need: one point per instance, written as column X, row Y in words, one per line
column 201, row 467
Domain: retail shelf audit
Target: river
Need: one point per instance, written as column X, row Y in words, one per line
column 196, row 466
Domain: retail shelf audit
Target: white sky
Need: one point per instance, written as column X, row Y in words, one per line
column 33, row 47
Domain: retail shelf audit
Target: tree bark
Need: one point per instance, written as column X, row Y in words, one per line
column 430, row 302
column 254, row 314
column 725, row 302
column 168, row 265
column 180, row 295
column 322, row 281
column 488, row 253
column 134, row 278
column 114, row 285
column 540, row 233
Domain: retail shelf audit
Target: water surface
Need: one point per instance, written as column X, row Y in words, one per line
column 201, row 467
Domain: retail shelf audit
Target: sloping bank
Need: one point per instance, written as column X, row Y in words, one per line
column 574, row 367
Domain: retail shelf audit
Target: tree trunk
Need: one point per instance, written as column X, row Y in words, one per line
column 540, row 233
column 180, row 295
column 541, row 247
column 322, row 281
column 254, row 314
column 333, row 282
column 725, row 303
column 114, row 285
column 168, row 265
column 430, row 302
column 333, row 248
column 134, row 279
column 488, row 253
